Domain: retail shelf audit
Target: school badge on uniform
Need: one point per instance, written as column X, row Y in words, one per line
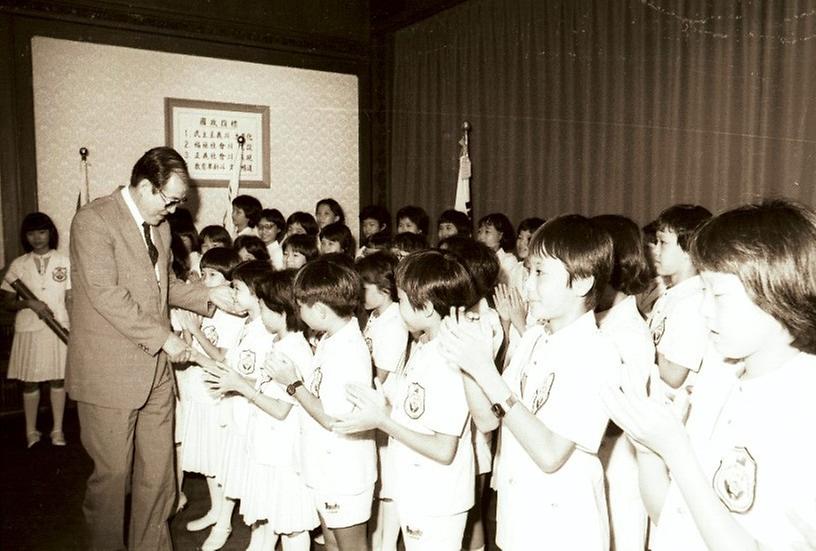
column 246, row 362
column 59, row 274
column 658, row 331
column 735, row 480
column 542, row 393
column 414, row 401
column 210, row 333
column 317, row 378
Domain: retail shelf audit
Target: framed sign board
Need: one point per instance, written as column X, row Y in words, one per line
column 206, row 134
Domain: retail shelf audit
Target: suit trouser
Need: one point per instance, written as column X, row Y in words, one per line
column 135, row 444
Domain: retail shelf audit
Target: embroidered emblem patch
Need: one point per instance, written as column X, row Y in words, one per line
column 735, row 480
column 317, row 378
column 415, row 533
column 331, row 507
column 211, row 334
column 59, row 274
column 246, row 363
column 542, row 393
column 658, row 331
column 415, row 401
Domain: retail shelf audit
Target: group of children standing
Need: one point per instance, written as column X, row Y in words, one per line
column 388, row 391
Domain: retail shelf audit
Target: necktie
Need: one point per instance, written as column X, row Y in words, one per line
column 151, row 248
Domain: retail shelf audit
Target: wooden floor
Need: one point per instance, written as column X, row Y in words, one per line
column 41, row 491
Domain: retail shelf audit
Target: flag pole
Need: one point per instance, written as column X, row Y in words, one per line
column 84, row 191
column 234, row 185
column 463, row 201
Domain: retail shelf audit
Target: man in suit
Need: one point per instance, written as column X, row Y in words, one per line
column 121, row 346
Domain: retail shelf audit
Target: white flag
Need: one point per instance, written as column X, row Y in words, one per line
column 462, row 202
column 233, row 188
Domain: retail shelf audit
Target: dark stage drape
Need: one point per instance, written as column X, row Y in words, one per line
column 601, row 106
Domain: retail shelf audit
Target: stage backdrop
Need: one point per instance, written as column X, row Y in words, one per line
column 111, row 100
column 594, row 106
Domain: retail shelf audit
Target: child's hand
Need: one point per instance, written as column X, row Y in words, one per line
column 466, row 343
column 222, row 380
column 502, row 301
column 223, row 297
column 370, row 410
column 281, row 368
column 649, row 422
column 187, row 320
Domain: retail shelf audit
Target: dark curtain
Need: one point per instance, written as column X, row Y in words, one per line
column 599, row 106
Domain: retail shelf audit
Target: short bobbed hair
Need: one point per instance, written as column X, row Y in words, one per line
column 683, row 220
column 334, row 206
column 221, row 259
column 251, row 206
column 378, row 269
column 340, row 233
column 415, row 214
column 503, row 225
column 331, row 283
column 409, row 242
column 771, row 248
column 35, row 221
column 305, row 221
column 479, row 260
column 157, row 166
column 530, row 224
column 302, row 243
column 216, row 234
column 274, row 216
column 276, row 290
column 253, row 245
column 459, row 219
column 378, row 213
column 583, row 247
column 251, row 272
column 630, row 274
column 438, row 277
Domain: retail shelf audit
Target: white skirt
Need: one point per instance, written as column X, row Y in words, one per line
column 203, row 438
column 278, row 495
column 37, row 356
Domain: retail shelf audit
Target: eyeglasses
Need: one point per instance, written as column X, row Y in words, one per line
column 267, row 227
column 170, row 202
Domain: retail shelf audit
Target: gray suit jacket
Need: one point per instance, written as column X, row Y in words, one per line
column 120, row 315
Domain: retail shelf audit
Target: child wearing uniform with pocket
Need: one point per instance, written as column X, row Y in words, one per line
column 340, row 470
column 549, row 481
column 430, row 445
column 739, row 475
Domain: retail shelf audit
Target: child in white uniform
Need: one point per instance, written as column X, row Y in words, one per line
column 200, row 426
column 549, row 481
column 483, row 265
column 740, row 474
column 677, row 326
column 429, row 427
column 37, row 354
column 246, row 358
column 271, row 229
column 496, row 231
column 276, row 501
column 340, row 470
column 618, row 317
column 387, row 338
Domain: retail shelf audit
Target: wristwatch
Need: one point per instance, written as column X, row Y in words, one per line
column 292, row 388
column 500, row 409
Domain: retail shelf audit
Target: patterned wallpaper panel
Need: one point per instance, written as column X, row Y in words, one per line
column 111, row 100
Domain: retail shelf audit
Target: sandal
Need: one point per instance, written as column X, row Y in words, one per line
column 33, row 437
column 57, row 438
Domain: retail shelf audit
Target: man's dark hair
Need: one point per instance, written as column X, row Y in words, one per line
column 157, row 166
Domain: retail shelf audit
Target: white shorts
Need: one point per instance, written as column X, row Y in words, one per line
column 342, row 511
column 421, row 533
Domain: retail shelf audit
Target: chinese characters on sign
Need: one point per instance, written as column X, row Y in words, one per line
column 205, row 134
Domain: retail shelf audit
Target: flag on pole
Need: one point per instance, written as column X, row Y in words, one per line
column 462, row 202
column 234, row 185
column 83, row 184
